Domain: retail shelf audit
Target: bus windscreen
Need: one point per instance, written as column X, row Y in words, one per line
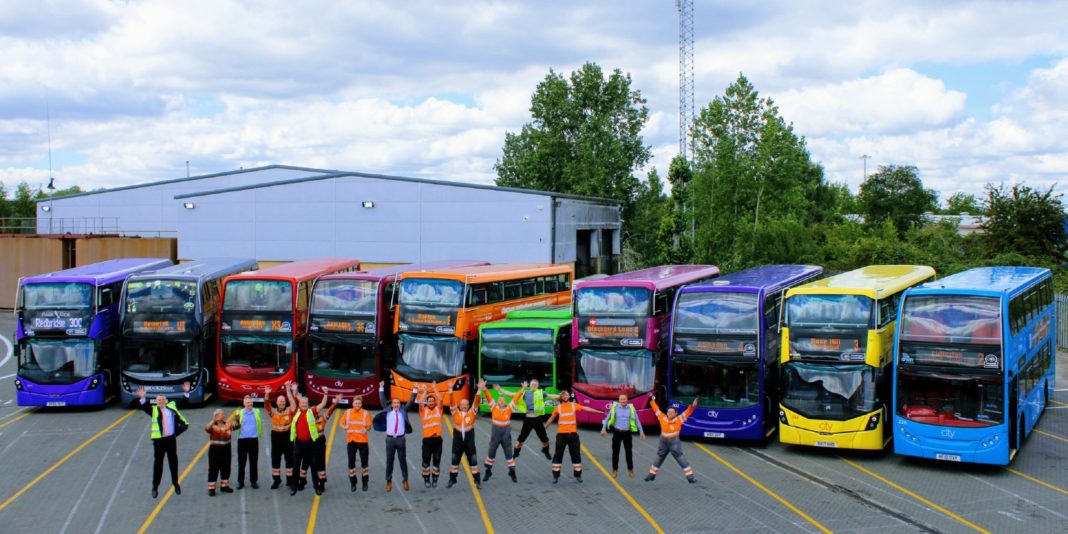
column 161, row 296
column 429, row 358
column 72, row 295
column 511, row 356
column 259, row 295
column 607, row 373
column 717, row 385
column 828, row 327
column 345, row 297
column 58, row 361
column 159, row 358
column 431, row 292
column 838, row 392
column 717, row 312
column 951, row 399
column 341, row 356
column 614, row 301
column 955, row 330
column 256, row 357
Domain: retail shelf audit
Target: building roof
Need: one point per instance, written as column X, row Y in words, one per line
column 328, row 175
column 188, row 179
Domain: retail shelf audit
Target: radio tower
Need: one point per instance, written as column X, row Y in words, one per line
column 685, row 8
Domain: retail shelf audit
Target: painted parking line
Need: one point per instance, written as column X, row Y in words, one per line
column 1037, row 481
column 16, row 412
column 914, row 495
column 170, row 491
column 1054, row 436
column 765, row 489
column 61, row 461
column 1058, row 403
column 25, row 414
column 625, row 493
column 474, row 491
column 314, row 515
column 8, row 352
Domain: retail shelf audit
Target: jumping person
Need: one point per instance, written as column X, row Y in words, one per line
column 623, row 421
column 167, row 424
column 219, row 431
column 320, row 442
column 670, row 425
column 433, row 418
column 357, row 422
column 463, row 439
column 302, row 433
column 567, row 434
column 393, row 420
column 281, row 446
column 534, row 419
column 501, row 436
column 247, row 420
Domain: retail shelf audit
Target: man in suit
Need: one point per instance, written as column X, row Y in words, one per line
column 393, row 420
column 167, row 424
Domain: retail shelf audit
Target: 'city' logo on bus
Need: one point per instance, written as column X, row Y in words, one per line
column 948, row 433
column 713, row 414
column 826, row 426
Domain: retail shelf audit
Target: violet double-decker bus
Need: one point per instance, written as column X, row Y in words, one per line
column 350, row 330
column 619, row 335
column 725, row 351
column 67, row 332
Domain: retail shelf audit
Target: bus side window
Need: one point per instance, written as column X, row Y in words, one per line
column 888, row 310
column 302, row 296
column 512, row 289
column 563, row 282
column 661, row 302
column 530, row 287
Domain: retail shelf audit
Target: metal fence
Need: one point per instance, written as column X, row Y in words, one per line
column 1062, row 321
column 57, row 225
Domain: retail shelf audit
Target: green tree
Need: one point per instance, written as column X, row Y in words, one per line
column 585, row 138
column 651, row 245
column 895, row 193
column 958, row 203
column 23, row 206
column 751, row 172
column 1025, row 221
column 681, row 217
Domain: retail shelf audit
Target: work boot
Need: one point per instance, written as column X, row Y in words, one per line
column 511, row 474
column 318, row 489
column 226, row 489
column 352, row 483
column 545, row 451
column 578, row 477
column 211, row 493
column 630, row 473
column 389, row 486
column 489, row 473
column 177, row 489
column 478, row 480
column 615, row 473
column 556, row 477
column 426, row 480
column 452, row 480
column 650, row 477
column 404, row 484
column 691, row 479
column 155, row 492
column 434, row 481
column 240, row 485
column 364, row 482
column 292, row 490
column 277, row 482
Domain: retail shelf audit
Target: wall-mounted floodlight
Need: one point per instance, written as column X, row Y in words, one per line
column 189, row 205
column 46, row 208
column 368, row 204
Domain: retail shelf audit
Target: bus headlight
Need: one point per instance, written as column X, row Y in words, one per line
column 92, row 385
column 18, row 384
column 782, row 417
column 873, row 422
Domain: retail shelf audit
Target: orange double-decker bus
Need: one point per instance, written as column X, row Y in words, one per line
column 439, row 313
column 262, row 325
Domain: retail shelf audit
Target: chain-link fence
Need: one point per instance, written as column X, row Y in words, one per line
column 1062, row 322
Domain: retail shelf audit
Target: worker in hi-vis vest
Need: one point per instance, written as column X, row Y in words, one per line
column 622, row 420
column 167, row 424
column 534, row 417
column 303, row 433
column 670, row 427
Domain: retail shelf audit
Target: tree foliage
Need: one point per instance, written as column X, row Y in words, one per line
column 895, row 193
column 585, row 138
column 1025, row 221
column 959, row 203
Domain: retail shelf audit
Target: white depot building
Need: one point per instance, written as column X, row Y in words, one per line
column 283, row 213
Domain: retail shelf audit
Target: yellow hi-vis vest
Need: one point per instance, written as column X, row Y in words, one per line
column 156, row 432
column 612, row 416
column 310, row 418
column 259, row 425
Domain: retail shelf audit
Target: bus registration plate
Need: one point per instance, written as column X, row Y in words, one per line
column 948, row 457
column 714, row 434
column 56, row 403
column 830, row 444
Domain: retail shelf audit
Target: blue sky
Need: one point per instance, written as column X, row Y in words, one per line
column 968, row 91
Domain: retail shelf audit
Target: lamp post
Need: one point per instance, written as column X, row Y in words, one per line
column 51, row 193
column 865, row 159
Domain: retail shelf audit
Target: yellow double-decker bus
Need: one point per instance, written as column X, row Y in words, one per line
column 837, row 348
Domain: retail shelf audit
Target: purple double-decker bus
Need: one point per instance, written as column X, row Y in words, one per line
column 350, row 330
column 725, row 351
column 619, row 335
column 67, row 332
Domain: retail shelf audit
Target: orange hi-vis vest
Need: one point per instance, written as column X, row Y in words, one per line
column 280, row 421
column 464, row 421
column 356, row 423
column 670, row 428
column 502, row 416
column 432, row 419
column 320, row 422
column 568, row 413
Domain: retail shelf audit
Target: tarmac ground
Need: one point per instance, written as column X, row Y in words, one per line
column 78, row 470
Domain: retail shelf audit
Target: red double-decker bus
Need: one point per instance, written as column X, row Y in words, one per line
column 262, row 325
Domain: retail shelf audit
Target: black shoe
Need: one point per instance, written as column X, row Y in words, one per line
column 478, row 481
column 318, row 490
column 292, row 490
column 177, row 489
column 255, row 485
column 211, row 493
column 226, row 489
column 556, row 479
column 452, row 482
column 277, row 482
column 517, row 451
column 691, row 480
column 352, row 484
column 155, row 493
column 650, row 477
column 511, row 474
column 434, row 482
column 578, row 479
column 426, row 481
column 364, row 487
column 489, row 473
column 240, row 485
column 548, row 456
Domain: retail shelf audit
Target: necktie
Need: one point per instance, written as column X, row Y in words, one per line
column 396, row 423
column 166, row 423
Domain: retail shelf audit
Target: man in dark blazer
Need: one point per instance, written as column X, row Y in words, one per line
column 167, row 424
column 393, row 420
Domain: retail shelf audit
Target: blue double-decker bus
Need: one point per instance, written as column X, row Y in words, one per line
column 67, row 332
column 974, row 366
column 725, row 351
column 169, row 321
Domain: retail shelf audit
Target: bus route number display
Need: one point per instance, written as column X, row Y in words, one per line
column 261, row 325
column 158, row 327
column 341, row 326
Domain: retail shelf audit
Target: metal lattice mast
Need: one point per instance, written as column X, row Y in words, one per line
column 686, row 110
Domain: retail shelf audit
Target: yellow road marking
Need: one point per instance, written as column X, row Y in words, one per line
column 170, row 492
column 765, row 489
column 475, row 492
column 1058, row 403
column 914, row 495
column 61, row 461
column 15, row 419
column 1054, row 436
column 16, row 412
column 624, row 492
column 1037, row 481
column 315, row 502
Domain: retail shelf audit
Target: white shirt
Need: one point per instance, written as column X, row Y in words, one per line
column 395, row 423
